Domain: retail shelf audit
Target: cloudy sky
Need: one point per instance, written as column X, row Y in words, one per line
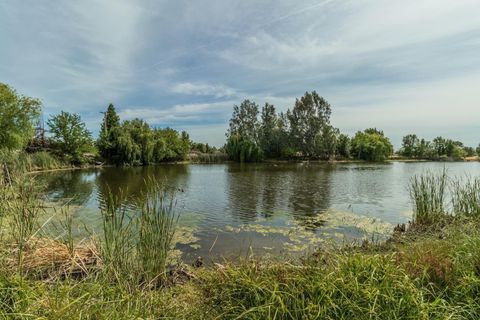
column 402, row 66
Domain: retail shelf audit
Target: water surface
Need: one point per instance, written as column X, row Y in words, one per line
column 233, row 210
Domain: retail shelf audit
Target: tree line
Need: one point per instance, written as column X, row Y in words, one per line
column 305, row 131
column 302, row 132
column 131, row 142
column 439, row 148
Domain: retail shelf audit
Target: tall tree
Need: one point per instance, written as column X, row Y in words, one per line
column 17, row 116
column 244, row 121
column 326, row 142
column 308, row 117
column 243, row 135
column 343, row 146
column 268, row 128
column 109, row 133
column 409, row 145
column 70, row 134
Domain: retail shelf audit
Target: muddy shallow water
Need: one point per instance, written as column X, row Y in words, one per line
column 234, row 210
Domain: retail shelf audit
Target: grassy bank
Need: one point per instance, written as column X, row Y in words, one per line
column 429, row 269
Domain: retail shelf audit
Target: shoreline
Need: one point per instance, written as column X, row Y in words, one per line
column 268, row 161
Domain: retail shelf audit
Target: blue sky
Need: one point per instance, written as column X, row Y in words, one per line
column 402, row 66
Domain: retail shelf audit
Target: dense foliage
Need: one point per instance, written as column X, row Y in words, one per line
column 371, row 145
column 17, row 115
column 437, row 149
column 70, row 135
column 134, row 142
column 305, row 131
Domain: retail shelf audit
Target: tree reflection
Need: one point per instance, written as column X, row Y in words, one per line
column 132, row 184
column 73, row 186
column 301, row 190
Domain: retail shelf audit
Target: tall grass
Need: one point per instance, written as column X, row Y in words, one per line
column 436, row 196
column 138, row 238
column 23, row 207
column 117, row 247
column 428, row 192
column 466, row 197
column 156, row 228
column 21, row 162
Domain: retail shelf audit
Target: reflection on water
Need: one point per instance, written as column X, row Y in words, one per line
column 228, row 208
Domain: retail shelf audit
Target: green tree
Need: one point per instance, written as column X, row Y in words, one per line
column 270, row 131
column 242, row 149
column 410, row 143
column 109, row 133
column 243, row 135
column 326, row 142
column 307, row 119
column 17, row 115
column 371, row 145
column 469, row 151
column 343, row 146
column 70, row 134
column 439, row 145
column 244, row 121
column 478, row 150
column 424, row 150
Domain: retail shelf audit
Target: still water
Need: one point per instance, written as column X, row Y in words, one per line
column 234, row 210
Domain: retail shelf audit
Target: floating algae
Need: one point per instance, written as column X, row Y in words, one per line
column 335, row 219
column 302, row 234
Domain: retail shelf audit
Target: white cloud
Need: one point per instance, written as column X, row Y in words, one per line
column 203, row 89
column 178, row 114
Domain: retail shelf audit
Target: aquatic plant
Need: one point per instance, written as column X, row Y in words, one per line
column 137, row 238
column 156, row 228
column 466, row 197
column 428, row 192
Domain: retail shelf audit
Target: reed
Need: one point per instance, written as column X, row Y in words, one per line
column 23, row 208
column 137, row 238
column 466, row 197
column 428, row 193
column 117, row 245
column 156, row 228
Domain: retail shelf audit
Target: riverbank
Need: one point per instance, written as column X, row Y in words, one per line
column 423, row 273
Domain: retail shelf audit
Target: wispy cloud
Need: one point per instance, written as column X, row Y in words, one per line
column 397, row 65
column 203, row 89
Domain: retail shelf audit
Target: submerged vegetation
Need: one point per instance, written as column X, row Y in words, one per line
column 428, row 269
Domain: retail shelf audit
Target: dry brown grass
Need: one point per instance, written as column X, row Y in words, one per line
column 45, row 258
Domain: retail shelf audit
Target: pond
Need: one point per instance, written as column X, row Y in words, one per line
column 234, row 210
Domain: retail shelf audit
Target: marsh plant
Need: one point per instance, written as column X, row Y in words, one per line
column 138, row 238
column 466, row 197
column 436, row 196
column 428, row 192
column 23, row 207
